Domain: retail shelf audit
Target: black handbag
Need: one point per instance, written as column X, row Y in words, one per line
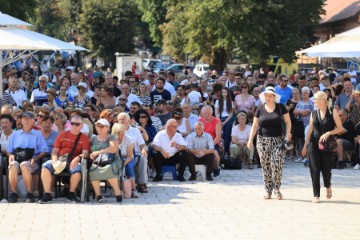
column 330, row 145
column 104, row 159
column 23, row 154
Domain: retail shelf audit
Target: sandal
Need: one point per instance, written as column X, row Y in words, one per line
column 278, row 195
column 251, row 166
column 316, row 200
column 267, row 196
column 328, row 193
column 142, row 188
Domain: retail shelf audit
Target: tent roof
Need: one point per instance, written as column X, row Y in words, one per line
column 343, row 45
column 7, row 20
column 14, row 38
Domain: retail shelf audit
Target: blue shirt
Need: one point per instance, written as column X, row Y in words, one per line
column 33, row 139
column 286, row 94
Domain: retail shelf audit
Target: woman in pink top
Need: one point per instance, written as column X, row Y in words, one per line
column 245, row 101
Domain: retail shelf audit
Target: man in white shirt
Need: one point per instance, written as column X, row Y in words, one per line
column 14, row 90
column 190, row 116
column 170, row 149
column 125, row 88
column 73, row 91
column 141, row 151
column 353, row 75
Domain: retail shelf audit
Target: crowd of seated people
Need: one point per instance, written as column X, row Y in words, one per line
column 144, row 121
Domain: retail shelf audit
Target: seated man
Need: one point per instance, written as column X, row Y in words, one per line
column 345, row 140
column 201, row 149
column 26, row 147
column 170, row 149
column 141, row 151
column 64, row 144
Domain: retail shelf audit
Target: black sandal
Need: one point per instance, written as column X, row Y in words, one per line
column 142, row 188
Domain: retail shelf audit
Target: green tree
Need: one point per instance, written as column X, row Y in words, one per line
column 107, row 26
column 19, row 8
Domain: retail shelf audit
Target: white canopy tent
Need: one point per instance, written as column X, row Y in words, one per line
column 343, row 45
column 16, row 41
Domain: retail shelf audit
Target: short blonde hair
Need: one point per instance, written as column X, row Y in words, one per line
column 118, row 128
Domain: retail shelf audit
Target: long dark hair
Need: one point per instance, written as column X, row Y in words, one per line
column 229, row 106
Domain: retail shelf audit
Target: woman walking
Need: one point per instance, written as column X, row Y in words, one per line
column 324, row 123
column 269, row 119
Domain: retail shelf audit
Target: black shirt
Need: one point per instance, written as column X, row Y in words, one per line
column 328, row 124
column 270, row 124
column 350, row 134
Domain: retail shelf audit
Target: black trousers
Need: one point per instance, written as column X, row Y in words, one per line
column 320, row 161
column 180, row 157
column 207, row 159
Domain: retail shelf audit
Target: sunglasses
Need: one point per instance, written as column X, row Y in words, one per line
column 41, row 116
column 143, row 116
column 75, row 124
column 100, row 126
column 42, row 81
column 177, row 113
column 244, row 87
column 122, row 99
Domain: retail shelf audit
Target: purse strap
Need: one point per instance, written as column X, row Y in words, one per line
column 282, row 120
column 73, row 149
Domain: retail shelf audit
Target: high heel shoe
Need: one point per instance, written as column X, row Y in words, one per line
column 328, row 193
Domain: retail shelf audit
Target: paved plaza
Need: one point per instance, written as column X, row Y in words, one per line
column 231, row 207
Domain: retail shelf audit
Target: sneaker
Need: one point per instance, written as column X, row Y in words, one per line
column 181, row 178
column 100, row 199
column 303, row 160
column 157, row 178
column 72, row 198
column 192, row 177
column 13, row 197
column 29, row 198
column 306, row 164
column 298, row 159
column 209, row 177
column 46, row 199
column 357, row 167
column 216, row 172
column 134, row 194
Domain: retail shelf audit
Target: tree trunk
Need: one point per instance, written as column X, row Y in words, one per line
column 220, row 58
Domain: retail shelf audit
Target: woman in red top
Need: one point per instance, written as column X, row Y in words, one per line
column 212, row 126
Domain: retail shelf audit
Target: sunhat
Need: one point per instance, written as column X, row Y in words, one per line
column 272, row 91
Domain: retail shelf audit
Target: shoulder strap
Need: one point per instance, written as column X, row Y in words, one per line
column 73, row 149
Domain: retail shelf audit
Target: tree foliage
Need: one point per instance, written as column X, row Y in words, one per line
column 19, row 8
column 250, row 28
column 107, row 27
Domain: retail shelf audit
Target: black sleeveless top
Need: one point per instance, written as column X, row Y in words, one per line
column 328, row 124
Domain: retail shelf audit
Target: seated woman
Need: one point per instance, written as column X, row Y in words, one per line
column 239, row 137
column 143, row 118
column 126, row 147
column 6, row 122
column 104, row 147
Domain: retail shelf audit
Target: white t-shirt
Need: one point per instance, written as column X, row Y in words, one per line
column 135, row 135
column 4, row 140
column 162, row 140
column 224, row 112
column 352, row 74
column 241, row 136
column 194, row 97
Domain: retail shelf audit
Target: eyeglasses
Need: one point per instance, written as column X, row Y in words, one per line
column 42, row 81
column 100, row 126
column 122, row 99
column 143, row 116
column 244, row 87
column 41, row 116
column 75, row 124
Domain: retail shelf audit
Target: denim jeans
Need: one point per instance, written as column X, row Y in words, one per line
column 226, row 129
